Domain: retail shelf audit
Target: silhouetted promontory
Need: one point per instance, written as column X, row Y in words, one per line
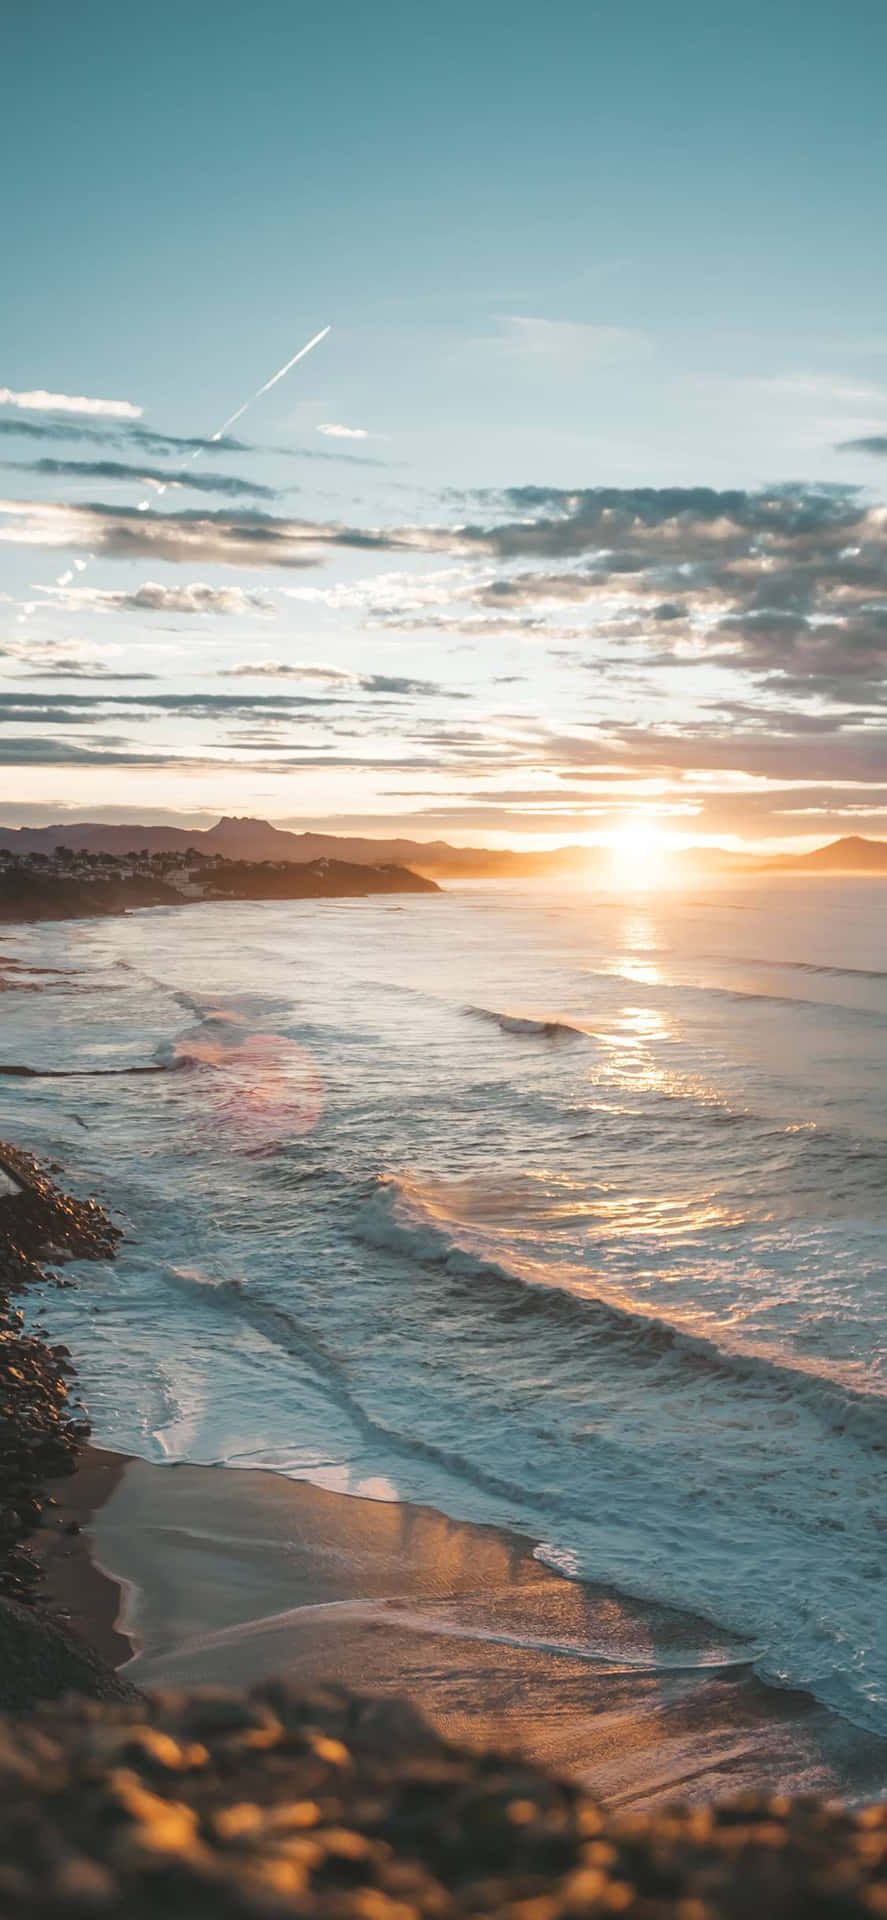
column 70, row 884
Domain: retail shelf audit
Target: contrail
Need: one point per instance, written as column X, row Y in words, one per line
column 144, row 504
column 270, row 383
column 81, row 565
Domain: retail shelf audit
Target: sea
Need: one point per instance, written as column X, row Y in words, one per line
column 553, row 1207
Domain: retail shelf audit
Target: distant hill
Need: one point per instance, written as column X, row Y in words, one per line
column 247, row 839
column 850, row 855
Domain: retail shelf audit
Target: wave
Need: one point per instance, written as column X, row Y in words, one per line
column 524, row 1025
column 806, row 966
column 447, row 1624
column 396, row 1218
column 767, row 964
column 744, row 995
column 15, row 1070
column 588, row 1516
column 288, row 1331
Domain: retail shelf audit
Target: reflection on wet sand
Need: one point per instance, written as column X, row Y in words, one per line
column 232, row 1575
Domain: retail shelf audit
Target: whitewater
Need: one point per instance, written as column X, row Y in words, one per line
column 554, row 1208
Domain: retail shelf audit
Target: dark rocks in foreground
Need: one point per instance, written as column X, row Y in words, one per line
column 40, row 1429
column 217, row 1805
column 41, row 1432
column 42, row 1660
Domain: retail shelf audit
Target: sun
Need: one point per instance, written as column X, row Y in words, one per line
column 639, row 854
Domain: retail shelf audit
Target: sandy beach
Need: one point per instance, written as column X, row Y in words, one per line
column 225, row 1576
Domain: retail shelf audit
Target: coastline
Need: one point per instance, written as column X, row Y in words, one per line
column 157, row 1576
column 229, row 1576
column 79, row 1592
column 72, row 891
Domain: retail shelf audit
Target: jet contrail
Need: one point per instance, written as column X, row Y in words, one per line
column 269, row 383
column 144, row 504
column 161, row 487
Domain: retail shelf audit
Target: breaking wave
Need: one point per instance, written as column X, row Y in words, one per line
column 396, row 1217
column 524, row 1025
column 16, row 1071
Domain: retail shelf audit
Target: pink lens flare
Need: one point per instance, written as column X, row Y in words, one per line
column 268, row 1088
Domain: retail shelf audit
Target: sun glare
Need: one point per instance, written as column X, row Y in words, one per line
column 639, row 855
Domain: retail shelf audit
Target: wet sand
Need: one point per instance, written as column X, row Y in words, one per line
column 81, row 1595
column 229, row 1576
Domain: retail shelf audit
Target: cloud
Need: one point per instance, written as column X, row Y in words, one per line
column 151, row 440
column 336, row 432
column 283, row 670
column 396, row 684
column 870, row 443
column 123, row 533
column 124, row 434
column 226, row 537
column 71, row 667
column 392, row 593
column 224, row 483
column 42, row 402
column 677, row 524
column 31, row 750
column 75, row 709
column 62, row 660
column 689, row 642
column 71, row 709
column 152, row 597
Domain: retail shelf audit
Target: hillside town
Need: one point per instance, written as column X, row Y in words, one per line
column 64, row 884
column 184, row 871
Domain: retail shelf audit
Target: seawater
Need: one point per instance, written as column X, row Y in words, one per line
column 552, row 1208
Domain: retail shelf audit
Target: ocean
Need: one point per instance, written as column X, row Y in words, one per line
column 555, row 1208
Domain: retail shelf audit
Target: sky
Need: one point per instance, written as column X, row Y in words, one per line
column 573, row 524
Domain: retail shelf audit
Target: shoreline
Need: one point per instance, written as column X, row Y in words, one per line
column 182, row 1575
column 231, row 1576
column 79, row 1593
column 31, row 894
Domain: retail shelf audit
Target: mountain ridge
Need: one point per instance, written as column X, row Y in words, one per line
column 245, row 838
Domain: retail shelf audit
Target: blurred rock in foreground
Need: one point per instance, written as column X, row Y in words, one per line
column 220, row 1804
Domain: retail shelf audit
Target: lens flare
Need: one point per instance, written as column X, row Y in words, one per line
column 266, row 1089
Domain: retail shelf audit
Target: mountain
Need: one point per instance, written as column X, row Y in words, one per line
column 853, row 854
column 246, row 839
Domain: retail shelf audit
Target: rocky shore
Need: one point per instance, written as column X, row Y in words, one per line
column 312, row 1800
column 329, row 1804
column 41, row 1429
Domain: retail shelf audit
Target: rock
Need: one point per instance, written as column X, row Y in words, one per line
column 102, row 1811
column 41, row 1660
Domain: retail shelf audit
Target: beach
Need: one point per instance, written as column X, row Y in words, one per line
column 205, row 1575
column 497, row 1322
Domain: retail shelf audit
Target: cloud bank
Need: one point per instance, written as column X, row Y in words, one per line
column 38, row 401
column 718, row 653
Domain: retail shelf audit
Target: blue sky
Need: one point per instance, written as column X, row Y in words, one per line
column 560, row 250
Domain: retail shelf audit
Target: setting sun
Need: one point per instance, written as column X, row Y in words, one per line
column 639, row 854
